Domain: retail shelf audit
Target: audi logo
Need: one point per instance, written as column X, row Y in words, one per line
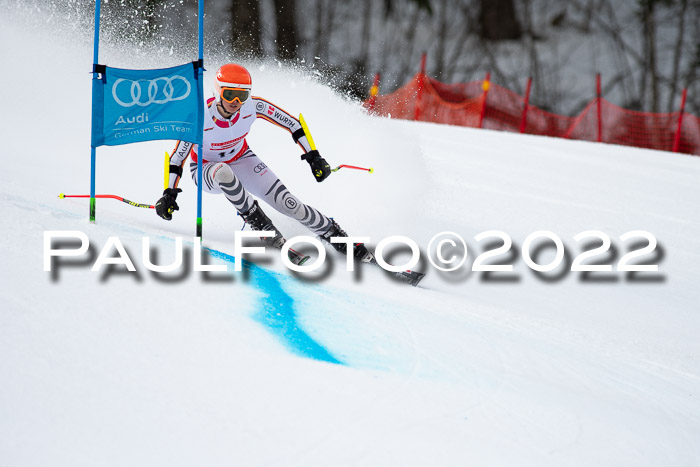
column 152, row 90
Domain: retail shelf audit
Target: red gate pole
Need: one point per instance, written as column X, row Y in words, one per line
column 677, row 139
column 523, row 120
column 419, row 95
column 485, row 86
column 374, row 90
column 600, row 120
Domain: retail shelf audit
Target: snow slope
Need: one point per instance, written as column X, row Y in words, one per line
column 265, row 368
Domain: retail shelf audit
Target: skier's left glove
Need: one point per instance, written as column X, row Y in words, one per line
column 166, row 205
column 319, row 167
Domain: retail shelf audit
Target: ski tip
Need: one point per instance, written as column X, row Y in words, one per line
column 297, row 258
column 411, row 277
column 61, row 195
column 419, row 276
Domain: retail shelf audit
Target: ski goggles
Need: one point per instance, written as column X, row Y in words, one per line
column 231, row 95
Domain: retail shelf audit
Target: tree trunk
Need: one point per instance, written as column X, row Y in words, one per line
column 320, row 40
column 650, row 75
column 246, row 27
column 151, row 17
column 285, row 14
column 366, row 34
column 498, row 21
column 677, row 54
column 442, row 40
column 408, row 44
column 652, row 63
column 541, row 94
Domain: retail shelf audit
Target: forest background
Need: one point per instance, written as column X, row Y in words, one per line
column 647, row 51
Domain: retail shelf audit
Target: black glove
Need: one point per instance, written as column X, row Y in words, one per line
column 166, row 205
column 319, row 166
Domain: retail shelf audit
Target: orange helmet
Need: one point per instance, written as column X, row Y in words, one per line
column 233, row 82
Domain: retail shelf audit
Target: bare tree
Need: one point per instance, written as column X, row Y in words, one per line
column 498, row 21
column 325, row 20
column 677, row 53
column 366, row 34
column 285, row 14
column 647, row 17
column 150, row 12
column 624, row 40
column 246, row 27
column 442, row 38
column 133, row 19
column 691, row 78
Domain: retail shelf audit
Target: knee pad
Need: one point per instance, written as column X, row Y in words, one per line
column 222, row 174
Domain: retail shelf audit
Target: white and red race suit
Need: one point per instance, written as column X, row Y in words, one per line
column 224, row 143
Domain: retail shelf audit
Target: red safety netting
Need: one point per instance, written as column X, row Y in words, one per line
column 486, row 105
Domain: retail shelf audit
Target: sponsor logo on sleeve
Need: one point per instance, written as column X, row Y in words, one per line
column 283, row 118
column 184, row 149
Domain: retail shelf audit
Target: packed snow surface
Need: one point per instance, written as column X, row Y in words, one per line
column 270, row 367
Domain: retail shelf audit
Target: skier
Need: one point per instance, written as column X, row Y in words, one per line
column 232, row 168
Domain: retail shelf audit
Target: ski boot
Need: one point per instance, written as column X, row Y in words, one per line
column 361, row 253
column 258, row 221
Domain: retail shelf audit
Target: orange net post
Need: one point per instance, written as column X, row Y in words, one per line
column 523, row 120
column 485, row 86
column 373, row 91
column 677, row 139
column 598, row 107
column 419, row 98
column 504, row 109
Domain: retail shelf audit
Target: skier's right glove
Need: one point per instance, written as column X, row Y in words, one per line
column 166, row 205
column 319, row 167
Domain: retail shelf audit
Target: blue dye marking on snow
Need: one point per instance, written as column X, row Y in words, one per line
column 277, row 312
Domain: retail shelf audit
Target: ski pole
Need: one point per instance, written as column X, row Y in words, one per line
column 307, row 132
column 166, row 170
column 313, row 147
column 370, row 170
column 123, row 200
